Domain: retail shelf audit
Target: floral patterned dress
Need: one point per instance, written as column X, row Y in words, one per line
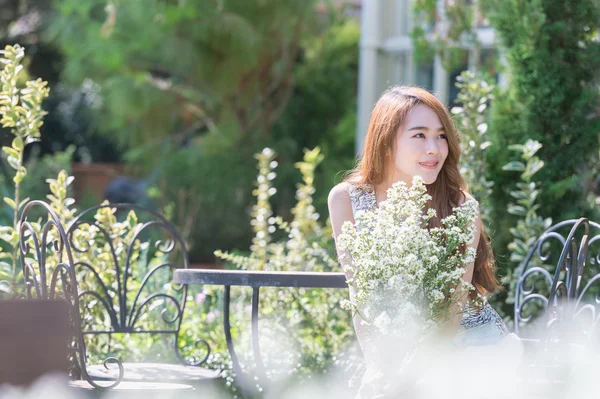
column 479, row 325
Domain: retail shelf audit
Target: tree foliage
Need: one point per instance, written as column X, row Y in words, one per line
column 322, row 111
column 178, row 69
column 552, row 97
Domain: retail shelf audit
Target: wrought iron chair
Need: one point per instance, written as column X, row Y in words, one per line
column 557, row 306
column 550, row 288
column 115, row 271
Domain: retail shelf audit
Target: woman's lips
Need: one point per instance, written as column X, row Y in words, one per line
column 429, row 165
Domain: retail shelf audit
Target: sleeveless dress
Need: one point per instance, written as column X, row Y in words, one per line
column 479, row 325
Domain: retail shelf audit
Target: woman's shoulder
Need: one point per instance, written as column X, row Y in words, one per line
column 349, row 192
column 340, row 206
column 340, row 194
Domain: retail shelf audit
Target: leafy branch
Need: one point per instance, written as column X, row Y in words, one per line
column 530, row 225
column 21, row 112
column 474, row 96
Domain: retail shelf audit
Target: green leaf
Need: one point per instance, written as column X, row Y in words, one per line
column 53, row 186
column 11, row 152
column 18, row 143
column 517, row 147
column 5, row 287
column 7, row 237
column 518, row 194
column 520, row 247
column 517, row 210
column 5, row 266
column 533, row 196
column 26, row 104
column 517, row 258
column 132, row 219
column 516, row 166
column 532, row 219
column 534, row 167
column 13, row 162
column 10, row 203
column 485, row 145
column 531, row 147
column 20, row 176
column 516, row 232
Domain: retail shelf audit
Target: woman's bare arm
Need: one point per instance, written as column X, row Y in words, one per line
column 340, row 211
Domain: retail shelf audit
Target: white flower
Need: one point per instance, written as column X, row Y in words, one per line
column 346, row 304
column 401, row 268
column 437, row 295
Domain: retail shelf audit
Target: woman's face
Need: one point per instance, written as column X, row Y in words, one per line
column 420, row 147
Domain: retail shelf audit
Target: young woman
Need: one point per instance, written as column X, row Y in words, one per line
column 411, row 133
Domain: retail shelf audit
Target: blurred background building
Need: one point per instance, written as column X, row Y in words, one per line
column 387, row 54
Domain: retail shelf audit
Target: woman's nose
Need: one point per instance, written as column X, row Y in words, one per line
column 432, row 147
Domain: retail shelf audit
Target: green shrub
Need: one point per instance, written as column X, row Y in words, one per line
column 552, row 60
column 470, row 117
column 530, row 225
column 309, row 321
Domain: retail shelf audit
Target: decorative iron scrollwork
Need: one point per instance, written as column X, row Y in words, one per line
column 59, row 262
column 553, row 280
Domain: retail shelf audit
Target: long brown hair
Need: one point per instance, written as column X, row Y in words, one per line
column 388, row 116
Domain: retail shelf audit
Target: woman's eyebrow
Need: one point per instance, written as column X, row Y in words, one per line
column 424, row 128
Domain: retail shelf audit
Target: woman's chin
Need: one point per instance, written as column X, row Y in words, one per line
column 428, row 178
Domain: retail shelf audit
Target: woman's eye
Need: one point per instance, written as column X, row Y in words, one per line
column 443, row 136
column 419, row 136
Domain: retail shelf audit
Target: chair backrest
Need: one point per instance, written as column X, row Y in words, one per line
column 34, row 337
column 558, row 282
column 113, row 265
column 124, row 256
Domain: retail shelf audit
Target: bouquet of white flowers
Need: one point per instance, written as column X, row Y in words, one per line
column 404, row 273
